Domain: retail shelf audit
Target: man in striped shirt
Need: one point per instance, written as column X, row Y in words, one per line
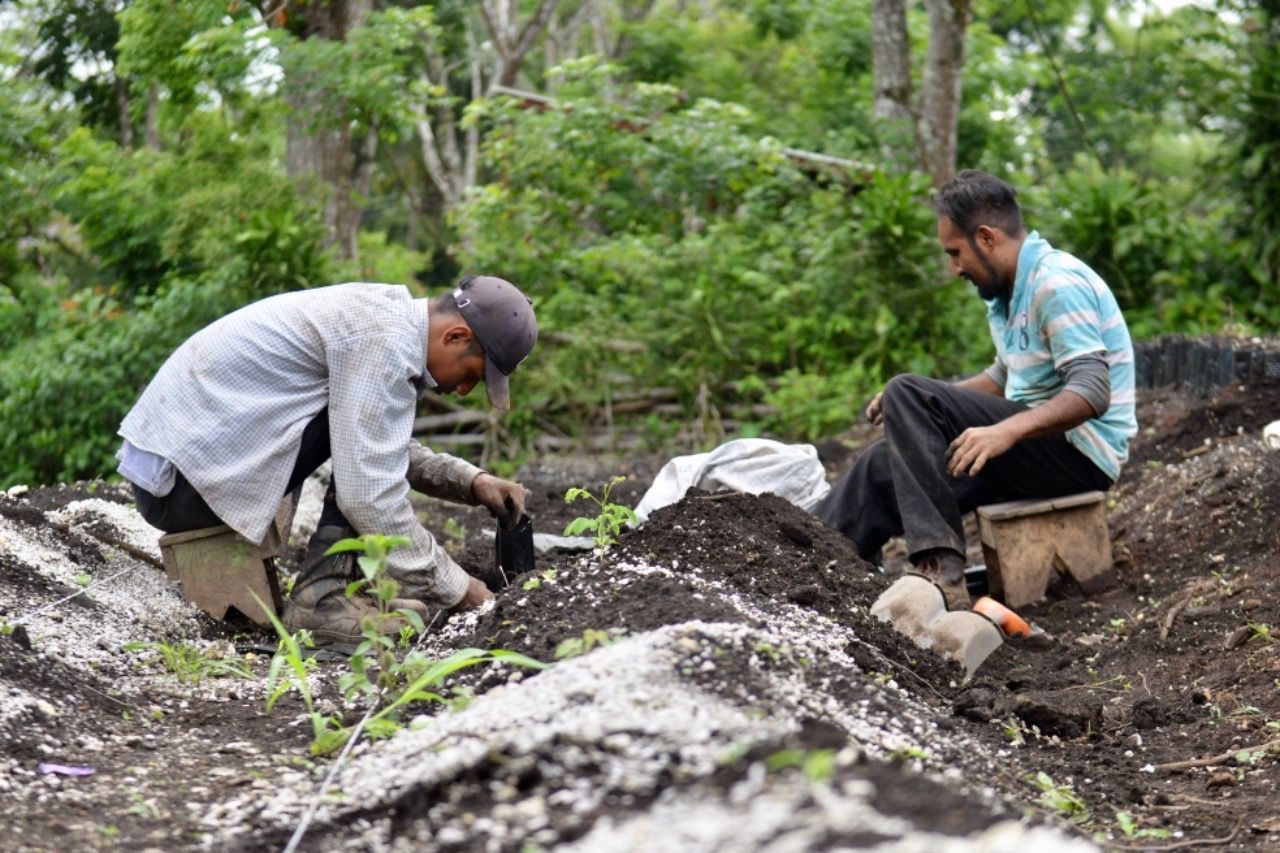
column 1053, row 414
column 245, row 409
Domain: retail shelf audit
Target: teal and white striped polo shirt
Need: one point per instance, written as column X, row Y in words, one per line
column 1060, row 310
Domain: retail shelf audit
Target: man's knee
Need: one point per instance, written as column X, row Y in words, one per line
column 906, row 387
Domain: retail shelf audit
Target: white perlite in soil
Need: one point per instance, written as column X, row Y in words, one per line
column 621, row 724
column 123, row 600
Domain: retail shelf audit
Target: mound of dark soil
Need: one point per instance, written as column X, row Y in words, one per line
column 1176, row 424
column 763, row 549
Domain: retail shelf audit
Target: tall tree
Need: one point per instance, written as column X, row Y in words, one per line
column 322, row 147
column 936, row 112
column 449, row 146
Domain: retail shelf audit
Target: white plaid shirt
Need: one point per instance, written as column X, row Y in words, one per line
column 229, row 406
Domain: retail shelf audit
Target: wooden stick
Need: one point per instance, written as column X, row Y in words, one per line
column 1217, row 759
column 1190, row 842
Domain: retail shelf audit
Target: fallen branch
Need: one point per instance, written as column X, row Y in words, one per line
column 1172, row 616
column 1218, row 759
column 109, row 539
column 1200, row 587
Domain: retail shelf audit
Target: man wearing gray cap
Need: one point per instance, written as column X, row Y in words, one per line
column 248, row 407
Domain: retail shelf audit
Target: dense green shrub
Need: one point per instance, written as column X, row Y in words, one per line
column 63, row 394
column 666, row 244
column 171, row 241
column 1163, row 247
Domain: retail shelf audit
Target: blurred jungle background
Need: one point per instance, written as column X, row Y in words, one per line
column 720, row 207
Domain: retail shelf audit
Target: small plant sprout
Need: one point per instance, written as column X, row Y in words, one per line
column 190, row 664
column 1060, row 798
column 548, row 575
column 377, row 673
column 906, row 753
column 590, row 639
column 455, row 536
column 607, row 523
column 1130, row 829
column 1261, row 633
column 1118, row 625
column 327, row 733
column 818, row 765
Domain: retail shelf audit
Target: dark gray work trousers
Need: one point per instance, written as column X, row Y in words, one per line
column 183, row 509
column 900, row 486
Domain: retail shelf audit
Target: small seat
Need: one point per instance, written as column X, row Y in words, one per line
column 219, row 569
column 1026, row 542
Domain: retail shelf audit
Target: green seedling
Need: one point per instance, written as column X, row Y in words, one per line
column 191, row 665
column 1260, row 632
column 590, row 639
column 904, row 753
column 326, row 731
column 455, row 536
column 1129, row 827
column 1060, row 798
column 535, row 583
column 83, row 579
column 607, row 523
column 376, row 672
column 143, row 807
column 1118, row 625
column 774, row 653
column 818, row 765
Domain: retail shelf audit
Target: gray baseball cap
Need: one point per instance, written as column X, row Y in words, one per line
column 501, row 317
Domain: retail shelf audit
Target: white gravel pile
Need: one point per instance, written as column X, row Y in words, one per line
column 608, row 732
column 123, row 600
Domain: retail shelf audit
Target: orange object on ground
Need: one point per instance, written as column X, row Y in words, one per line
column 1010, row 623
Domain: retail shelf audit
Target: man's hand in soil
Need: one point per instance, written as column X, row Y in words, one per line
column 977, row 446
column 477, row 594
column 503, row 498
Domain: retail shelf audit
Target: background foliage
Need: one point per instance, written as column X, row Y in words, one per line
column 653, row 208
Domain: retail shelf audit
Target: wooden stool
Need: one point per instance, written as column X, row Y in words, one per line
column 1024, row 541
column 219, row 569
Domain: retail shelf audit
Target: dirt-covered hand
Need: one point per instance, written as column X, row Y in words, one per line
column 503, row 498
column 977, row 446
column 874, row 412
column 477, row 594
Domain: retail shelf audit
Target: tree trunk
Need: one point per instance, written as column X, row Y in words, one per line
column 943, row 75
column 122, row 111
column 891, row 60
column 449, row 154
column 151, row 124
column 318, row 155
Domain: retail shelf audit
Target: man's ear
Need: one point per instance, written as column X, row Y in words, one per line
column 458, row 334
column 988, row 237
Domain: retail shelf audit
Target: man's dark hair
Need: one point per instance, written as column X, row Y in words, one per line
column 974, row 198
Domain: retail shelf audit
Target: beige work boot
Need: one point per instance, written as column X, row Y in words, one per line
column 946, row 569
column 336, row 618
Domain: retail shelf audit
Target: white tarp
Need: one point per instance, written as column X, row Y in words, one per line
column 754, row 465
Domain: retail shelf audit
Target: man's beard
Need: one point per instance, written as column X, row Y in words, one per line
column 995, row 285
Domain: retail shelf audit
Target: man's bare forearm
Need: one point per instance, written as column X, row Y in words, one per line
column 981, row 382
column 1062, row 412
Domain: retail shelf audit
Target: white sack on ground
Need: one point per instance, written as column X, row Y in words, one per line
column 753, row 465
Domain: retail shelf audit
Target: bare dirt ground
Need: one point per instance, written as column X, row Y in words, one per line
column 738, row 646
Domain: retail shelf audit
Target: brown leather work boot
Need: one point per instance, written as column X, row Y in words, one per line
column 946, row 569
column 337, row 618
column 319, row 602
